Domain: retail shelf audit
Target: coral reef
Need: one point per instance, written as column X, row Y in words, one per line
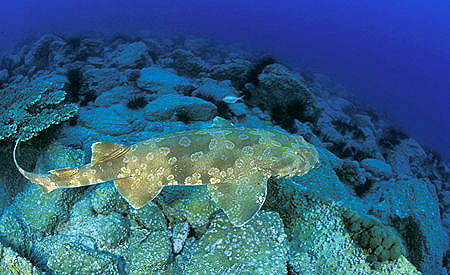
column 27, row 108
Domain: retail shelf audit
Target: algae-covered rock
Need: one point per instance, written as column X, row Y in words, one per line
column 39, row 211
column 134, row 55
column 179, row 107
column 214, row 90
column 259, row 247
column 147, row 252
column 73, row 258
column 105, row 121
column 154, row 79
column 108, row 231
column 410, row 205
column 186, row 63
column 12, row 232
column 102, row 79
column 277, row 86
column 149, row 217
column 105, row 199
column 236, row 70
column 45, row 210
column 180, row 232
column 377, row 168
column 191, row 204
column 319, row 240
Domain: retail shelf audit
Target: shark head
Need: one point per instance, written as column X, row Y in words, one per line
column 294, row 160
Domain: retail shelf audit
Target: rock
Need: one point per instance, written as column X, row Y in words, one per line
column 11, row 61
column 89, row 47
column 186, row 63
column 117, row 95
column 149, row 217
column 411, row 207
column 44, row 52
column 236, row 70
column 239, row 109
column 407, row 158
column 3, row 76
column 73, row 258
column 12, row 232
column 134, row 55
column 179, row 235
column 215, row 90
column 154, row 48
column 281, row 91
column 259, row 247
column 107, row 231
column 154, row 79
column 377, row 168
column 147, row 253
column 58, row 156
column 106, row 199
column 191, row 204
column 178, row 107
column 52, row 207
column 101, row 80
column 106, row 121
column 319, row 242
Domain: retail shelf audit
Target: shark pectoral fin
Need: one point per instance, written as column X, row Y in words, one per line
column 219, row 122
column 240, row 200
column 137, row 192
column 102, row 151
column 64, row 172
column 46, row 189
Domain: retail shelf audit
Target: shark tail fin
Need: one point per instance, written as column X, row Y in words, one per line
column 41, row 180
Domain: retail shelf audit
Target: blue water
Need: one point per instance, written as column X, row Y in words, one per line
column 393, row 55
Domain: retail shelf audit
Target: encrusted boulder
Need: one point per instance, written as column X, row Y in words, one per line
column 259, row 247
column 154, row 79
column 179, row 107
column 134, row 55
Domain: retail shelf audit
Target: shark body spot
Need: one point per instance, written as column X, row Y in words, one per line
column 164, row 150
column 184, row 141
column 196, row 156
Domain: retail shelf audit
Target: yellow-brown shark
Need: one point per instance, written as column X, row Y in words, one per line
column 233, row 162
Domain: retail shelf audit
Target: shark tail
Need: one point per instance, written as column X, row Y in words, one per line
column 42, row 180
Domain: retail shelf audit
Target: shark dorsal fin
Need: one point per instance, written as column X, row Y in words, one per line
column 102, row 151
column 219, row 122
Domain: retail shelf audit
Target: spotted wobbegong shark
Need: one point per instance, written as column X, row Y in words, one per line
column 233, row 162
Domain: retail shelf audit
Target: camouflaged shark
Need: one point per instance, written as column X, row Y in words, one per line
column 233, row 162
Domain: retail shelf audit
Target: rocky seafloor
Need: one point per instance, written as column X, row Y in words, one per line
column 377, row 204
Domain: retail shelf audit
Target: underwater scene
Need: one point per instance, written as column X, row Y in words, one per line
column 224, row 138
